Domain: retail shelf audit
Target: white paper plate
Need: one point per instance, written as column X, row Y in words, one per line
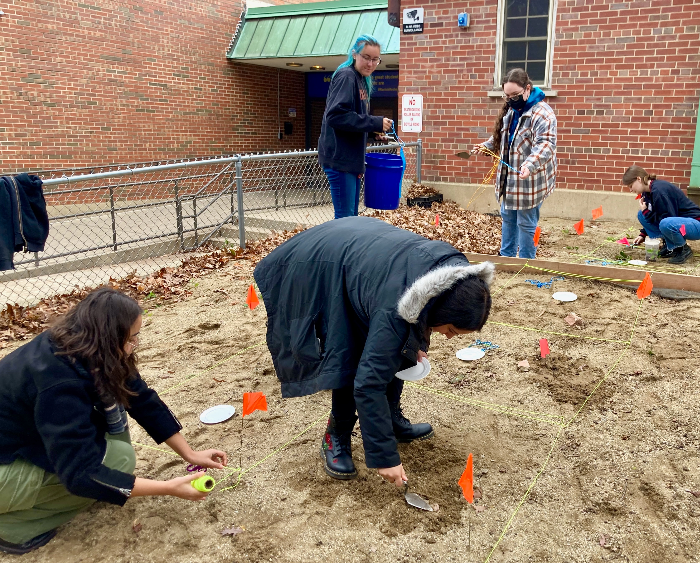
column 217, row 414
column 638, row 262
column 564, row 296
column 470, row 354
column 419, row 371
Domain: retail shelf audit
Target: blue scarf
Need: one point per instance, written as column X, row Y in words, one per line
column 536, row 96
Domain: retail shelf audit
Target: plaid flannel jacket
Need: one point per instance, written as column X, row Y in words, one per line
column 535, row 145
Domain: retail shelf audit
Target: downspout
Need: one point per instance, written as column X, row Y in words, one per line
column 694, row 188
column 394, row 13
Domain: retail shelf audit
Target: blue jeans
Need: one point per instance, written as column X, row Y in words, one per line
column 518, row 231
column 345, row 192
column 669, row 230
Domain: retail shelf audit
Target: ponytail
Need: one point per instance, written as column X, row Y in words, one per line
column 635, row 171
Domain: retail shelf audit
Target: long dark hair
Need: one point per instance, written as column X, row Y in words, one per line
column 521, row 78
column 94, row 332
column 466, row 306
column 635, row 171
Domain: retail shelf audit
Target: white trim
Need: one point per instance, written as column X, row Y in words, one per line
column 499, row 44
column 551, row 36
column 500, row 31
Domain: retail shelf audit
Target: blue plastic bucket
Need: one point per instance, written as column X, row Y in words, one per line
column 383, row 180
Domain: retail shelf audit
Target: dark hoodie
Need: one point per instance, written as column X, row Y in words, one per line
column 24, row 222
column 346, row 123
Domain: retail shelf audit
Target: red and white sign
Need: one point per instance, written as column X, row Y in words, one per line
column 412, row 113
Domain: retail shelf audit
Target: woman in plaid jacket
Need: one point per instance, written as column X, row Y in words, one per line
column 526, row 134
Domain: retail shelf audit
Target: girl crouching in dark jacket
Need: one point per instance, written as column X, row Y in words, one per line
column 64, row 436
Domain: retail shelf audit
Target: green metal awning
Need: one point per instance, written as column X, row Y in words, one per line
column 318, row 29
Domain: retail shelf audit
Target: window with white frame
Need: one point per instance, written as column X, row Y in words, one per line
column 525, row 38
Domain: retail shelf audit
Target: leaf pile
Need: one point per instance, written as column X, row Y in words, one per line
column 257, row 250
column 167, row 285
column 467, row 231
column 419, row 190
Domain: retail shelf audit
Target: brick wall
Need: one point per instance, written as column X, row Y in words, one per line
column 101, row 82
column 626, row 74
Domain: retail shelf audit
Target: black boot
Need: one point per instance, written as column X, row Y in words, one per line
column 336, row 450
column 404, row 430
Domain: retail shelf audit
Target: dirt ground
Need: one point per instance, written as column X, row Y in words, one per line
column 588, row 455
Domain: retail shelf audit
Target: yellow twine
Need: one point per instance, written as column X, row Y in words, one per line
column 268, row 456
column 558, row 333
column 580, row 276
column 556, row 420
column 556, row 439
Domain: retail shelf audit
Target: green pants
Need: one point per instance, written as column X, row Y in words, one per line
column 33, row 501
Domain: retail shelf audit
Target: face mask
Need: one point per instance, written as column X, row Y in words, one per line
column 517, row 104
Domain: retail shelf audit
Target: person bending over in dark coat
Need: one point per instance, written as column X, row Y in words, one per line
column 350, row 303
column 64, row 436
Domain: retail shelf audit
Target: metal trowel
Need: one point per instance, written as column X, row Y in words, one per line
column 463, row 154
column 416, row 500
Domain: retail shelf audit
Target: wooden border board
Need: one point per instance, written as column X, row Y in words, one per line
column 626, row 276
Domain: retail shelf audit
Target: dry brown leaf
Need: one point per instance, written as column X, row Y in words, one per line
column 136, row 526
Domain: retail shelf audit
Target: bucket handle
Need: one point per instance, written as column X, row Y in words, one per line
column 401, row 152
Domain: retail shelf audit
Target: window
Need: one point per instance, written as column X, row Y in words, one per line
column 525, row 38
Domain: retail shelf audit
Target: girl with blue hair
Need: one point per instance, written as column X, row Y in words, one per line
column 347, row 124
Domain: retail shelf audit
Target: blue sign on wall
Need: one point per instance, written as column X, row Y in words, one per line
column 386, row 84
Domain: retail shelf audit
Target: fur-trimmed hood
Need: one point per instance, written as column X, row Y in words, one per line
column 436, row 282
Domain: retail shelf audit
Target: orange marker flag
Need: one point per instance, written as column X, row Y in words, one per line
column 466, row 481
column 578, row 227
column 544, row 347
column 437, row 220
column 536, row 238
column 644, row 289
column 682, row 230
column 253, row 402
column 252, row 298
column 597, row 213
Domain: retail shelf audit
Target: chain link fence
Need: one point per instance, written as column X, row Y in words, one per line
column 112, row 221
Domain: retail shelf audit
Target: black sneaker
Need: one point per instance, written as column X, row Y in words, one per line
column 664, row 252
column 680, row 254
column 26, row 547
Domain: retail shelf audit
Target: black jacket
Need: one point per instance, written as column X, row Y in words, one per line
column 346, row 123
column 49, row 416
column 346, row 303
column 667, row 200
column 24, row 223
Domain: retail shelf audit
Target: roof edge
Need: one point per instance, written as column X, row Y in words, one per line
column 315, row 8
